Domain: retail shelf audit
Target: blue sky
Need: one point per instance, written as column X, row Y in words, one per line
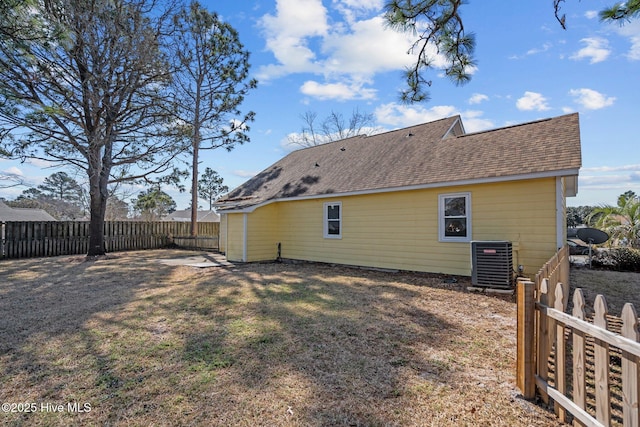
column 337, row 55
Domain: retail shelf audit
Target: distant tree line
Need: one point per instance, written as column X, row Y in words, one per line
column 62, row 197
column 621, row 222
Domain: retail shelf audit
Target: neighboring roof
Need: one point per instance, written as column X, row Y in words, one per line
column 434, row 154
column 185, row 215
column 8, row 213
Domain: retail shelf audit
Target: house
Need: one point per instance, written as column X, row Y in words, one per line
column 8, row 213
column 411, row 199
column 184, row 215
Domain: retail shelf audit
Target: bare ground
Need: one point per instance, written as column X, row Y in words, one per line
column 142, row 342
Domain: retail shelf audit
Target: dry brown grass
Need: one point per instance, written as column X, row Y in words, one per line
column 618, row 287
column 146, row 343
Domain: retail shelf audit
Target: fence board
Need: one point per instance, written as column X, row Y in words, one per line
column 605, row 365
column 601, row 356
column 630, row 362
column 579, row 365
column 560, row 375
column 23, row 239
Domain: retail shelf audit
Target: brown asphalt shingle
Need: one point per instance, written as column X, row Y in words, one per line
column 416, row 156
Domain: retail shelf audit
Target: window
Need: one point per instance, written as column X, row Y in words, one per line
column 333, row 220
column 455, row 217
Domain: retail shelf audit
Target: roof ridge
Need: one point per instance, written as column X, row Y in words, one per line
column 404, row 129
column 548, row 119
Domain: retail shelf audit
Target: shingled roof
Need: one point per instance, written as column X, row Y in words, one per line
column 8, row 213
column 434, row 154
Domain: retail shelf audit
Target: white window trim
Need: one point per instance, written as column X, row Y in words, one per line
column 325, row 220
column 441, row 219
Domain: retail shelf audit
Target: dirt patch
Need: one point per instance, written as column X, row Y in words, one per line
column 146, row 343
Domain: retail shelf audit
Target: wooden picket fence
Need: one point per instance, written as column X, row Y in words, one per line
column 589, row 369
column 28, row 239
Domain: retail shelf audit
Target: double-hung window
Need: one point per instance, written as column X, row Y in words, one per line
column 333, row 220
column 454, row 217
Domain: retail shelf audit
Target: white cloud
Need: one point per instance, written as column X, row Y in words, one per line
column 361, row 4
column 533, row 51
column 634, row 51
column 347, row 47
column 369, row 47
column 244, row 173
column 591, row 99
column 13, row 170
column 612, row 168
column 632, row 31
column 591, row 14
column 42, row 164
column 337, row 91
column 287, row 35
column 477, row 98
column 596, row 49
column 474, row 123
column 609, row 178
column 352, row 9
column 591, row 180
column 400, row 116
column 532, row 101
column 545, row 47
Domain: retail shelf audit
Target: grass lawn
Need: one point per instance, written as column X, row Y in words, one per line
column 145, row 343
column 618, row 287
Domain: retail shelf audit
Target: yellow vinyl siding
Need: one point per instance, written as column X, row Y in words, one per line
column 521, row 212
column 222, row 234
column 399, row 230
column 235, row 237
column 262, row 234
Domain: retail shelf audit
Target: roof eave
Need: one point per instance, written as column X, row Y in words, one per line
column 571, row 173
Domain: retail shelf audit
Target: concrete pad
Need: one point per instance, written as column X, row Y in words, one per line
column 199, row 261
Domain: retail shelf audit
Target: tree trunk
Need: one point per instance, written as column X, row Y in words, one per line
column 195, row 143
column 98, row 196
column 194, row 190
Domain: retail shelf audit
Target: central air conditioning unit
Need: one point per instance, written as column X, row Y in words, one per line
column 492, row 264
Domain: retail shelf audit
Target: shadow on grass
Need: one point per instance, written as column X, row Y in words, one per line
column 343, row 337
column 45, row 345
column 270, row 344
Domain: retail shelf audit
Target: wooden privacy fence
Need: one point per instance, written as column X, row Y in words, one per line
column 590, row 369
column 26, row 239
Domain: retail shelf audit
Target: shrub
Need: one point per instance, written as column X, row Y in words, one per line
column 620, row 259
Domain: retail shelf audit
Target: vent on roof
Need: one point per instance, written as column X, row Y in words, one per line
column 492, row 264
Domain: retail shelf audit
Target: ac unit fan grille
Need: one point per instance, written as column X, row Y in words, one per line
column 492, row 264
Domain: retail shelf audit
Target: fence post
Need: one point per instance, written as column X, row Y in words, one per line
column 525, row 363
column 630, row 369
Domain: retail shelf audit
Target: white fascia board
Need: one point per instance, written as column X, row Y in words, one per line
column 489, row 180
column 452, row 127
column 571, row 184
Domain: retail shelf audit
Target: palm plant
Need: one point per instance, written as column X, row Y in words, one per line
column 621, row 222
